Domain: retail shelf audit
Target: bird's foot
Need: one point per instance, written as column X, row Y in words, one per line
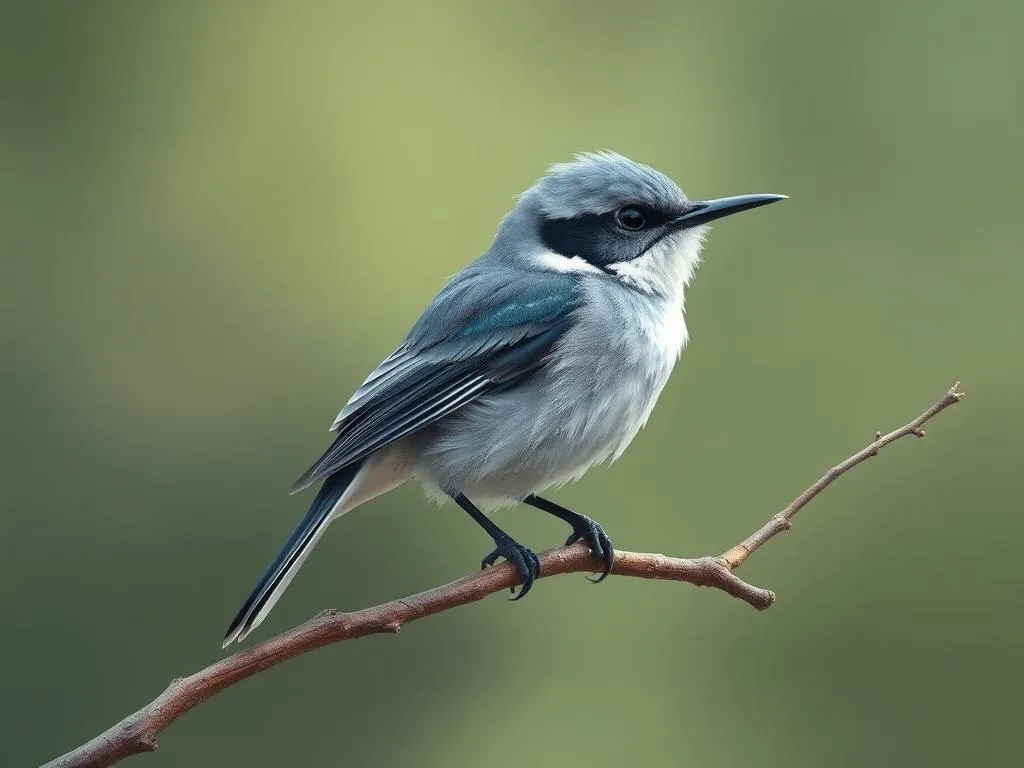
column 523, row 559
column 590, row 531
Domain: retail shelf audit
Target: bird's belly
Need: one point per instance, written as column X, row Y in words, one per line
column 580, row 411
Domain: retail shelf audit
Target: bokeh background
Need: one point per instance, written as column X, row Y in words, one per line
column 218, row 217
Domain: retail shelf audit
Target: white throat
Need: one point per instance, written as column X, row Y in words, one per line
column 668, row 266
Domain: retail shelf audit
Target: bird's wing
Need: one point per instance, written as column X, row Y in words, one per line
column 480, row 334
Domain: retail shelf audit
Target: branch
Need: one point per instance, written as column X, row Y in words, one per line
column 783, row 521
column 138, row 732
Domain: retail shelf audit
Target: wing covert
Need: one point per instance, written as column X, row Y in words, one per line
column 465, row 345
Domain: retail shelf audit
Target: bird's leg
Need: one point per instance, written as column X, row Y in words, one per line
column 525, row 561
column 583, row 528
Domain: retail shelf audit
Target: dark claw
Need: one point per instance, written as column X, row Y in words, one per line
column 600, row 545
column 526, row 563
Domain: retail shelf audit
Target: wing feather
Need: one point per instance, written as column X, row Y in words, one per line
column 488, row 341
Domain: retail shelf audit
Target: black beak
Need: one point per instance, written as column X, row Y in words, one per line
column 703, row 211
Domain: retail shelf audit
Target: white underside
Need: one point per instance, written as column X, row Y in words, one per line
column 583, row 409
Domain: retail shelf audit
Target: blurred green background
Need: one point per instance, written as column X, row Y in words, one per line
column 218, row 217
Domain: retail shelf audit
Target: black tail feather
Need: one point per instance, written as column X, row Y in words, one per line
column 277, row 575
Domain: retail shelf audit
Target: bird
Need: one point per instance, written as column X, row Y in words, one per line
column 541, row 359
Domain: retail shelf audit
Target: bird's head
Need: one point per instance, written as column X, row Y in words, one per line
column 606, row 214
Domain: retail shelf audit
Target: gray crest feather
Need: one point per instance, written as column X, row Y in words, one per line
column 597, row 182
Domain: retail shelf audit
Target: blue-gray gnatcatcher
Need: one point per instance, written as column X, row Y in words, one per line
column 539, row 360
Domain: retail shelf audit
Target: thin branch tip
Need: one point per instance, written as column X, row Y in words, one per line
column 138, row 731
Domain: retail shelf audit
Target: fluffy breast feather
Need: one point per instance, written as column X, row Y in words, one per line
column 583, row 408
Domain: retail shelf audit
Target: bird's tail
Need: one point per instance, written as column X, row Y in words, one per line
column 279, row 574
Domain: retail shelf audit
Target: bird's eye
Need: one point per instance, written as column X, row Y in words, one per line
column 630, row 218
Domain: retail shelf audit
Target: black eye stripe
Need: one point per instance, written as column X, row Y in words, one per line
column 601, row 239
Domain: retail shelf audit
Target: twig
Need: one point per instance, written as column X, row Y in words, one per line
column 783, row 521
column 138, row 732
